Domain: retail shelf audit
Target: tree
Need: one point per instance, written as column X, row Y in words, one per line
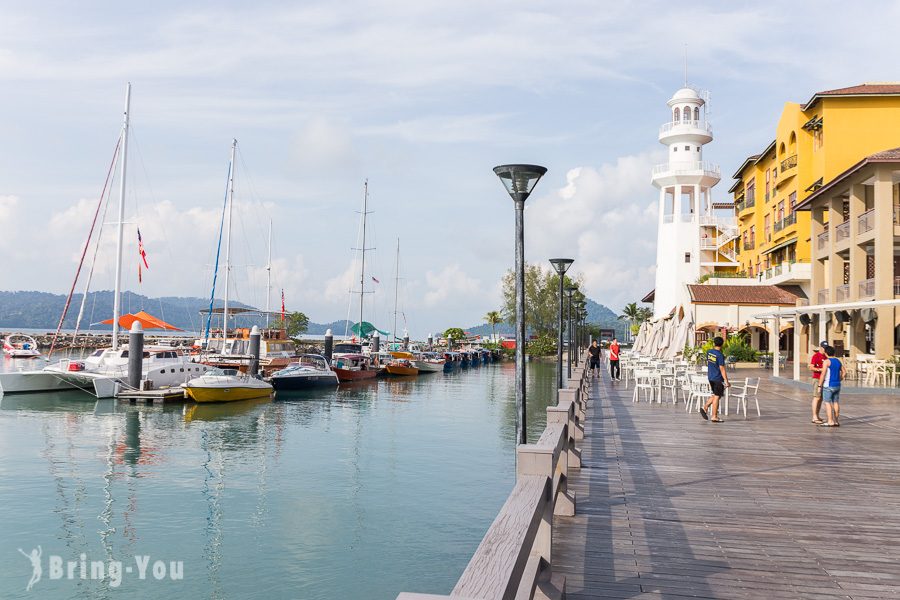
column 296, row 324
column 456, row 333
column 541, row 298
column 635, row 315
column 493, row 318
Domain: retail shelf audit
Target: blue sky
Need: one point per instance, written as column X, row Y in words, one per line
column 423, row 99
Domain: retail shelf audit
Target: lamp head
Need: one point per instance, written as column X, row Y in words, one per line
column 561, row 264
column 519, row 180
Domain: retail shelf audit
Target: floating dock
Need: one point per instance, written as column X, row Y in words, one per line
column 162, row 396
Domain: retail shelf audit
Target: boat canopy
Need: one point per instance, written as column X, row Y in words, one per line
column 146, row 320
column 367, row 329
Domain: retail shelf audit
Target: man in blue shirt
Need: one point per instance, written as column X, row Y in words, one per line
column 833, row 374
column 718, row 380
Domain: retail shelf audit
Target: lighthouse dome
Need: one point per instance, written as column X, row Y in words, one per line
column 686, row 94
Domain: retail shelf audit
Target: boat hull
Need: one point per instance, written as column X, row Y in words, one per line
column 401, row 371
column 353, row 375
column 228, row 394
column 304, row 382
column 429, row 367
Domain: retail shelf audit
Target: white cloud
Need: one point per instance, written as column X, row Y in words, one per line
column 324, row 147
column 604, row 218
column 451, row 285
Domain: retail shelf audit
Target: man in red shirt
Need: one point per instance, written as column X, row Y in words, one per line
column 816, row 366
column 614, row 372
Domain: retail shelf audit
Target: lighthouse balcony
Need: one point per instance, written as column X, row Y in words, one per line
column 687, row 172
column 698, row 132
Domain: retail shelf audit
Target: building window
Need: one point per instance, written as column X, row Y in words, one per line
column 753, row 235
column 674, row 148
column 686, row 148
column 793, row 200
column 696, row 113
column 687, row 257
column 768, row 229
column 677, row 114
column 781, row 210
column 698, row 148
column 750, row 191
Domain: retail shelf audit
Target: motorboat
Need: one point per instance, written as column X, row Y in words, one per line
column 19, row 345
column 353, row 367
column 429, row 362
column 226, row 385
column 276, row 350
column 310, row 371
column 104, row 371
column 401, row 365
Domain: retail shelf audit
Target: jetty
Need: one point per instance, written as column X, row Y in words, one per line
column 657, row 503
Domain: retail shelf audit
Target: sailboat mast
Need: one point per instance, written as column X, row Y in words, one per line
column 396, row 289
column 362, row 270
column 228, row 239
column 120, row 239
column 269, row 277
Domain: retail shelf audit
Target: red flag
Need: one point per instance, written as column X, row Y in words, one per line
column 375, row 280
column 141, row 249
column 282, row 305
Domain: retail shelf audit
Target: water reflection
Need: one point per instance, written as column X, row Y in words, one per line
column 356, row 492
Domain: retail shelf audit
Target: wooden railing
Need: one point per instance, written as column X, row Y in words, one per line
column 514, row 559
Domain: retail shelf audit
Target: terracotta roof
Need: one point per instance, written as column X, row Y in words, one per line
column 651, row 295
column 768, row 295
column 885, row 156
column 883, row 89
column 750, row 159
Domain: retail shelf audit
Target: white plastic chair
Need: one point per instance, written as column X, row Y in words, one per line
column 699, row 391
column 643, row 381
column 669, row 381
column 740, row 393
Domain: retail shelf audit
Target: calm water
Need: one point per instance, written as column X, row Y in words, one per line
column 362, row 492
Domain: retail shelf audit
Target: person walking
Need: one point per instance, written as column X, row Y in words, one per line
column 595, row 351
column 833, row 374
column 718, row 381
column 614, row 372
column 815, row 365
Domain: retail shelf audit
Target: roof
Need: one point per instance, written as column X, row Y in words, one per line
column 651, row 295
column 884, row 156
column 766, row 295
column 865, row 89
column 750, row 159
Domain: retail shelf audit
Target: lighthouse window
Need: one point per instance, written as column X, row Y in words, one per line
column 677, row 114
column 697, row 113
column 674, row 148
column 687, row 148
column 698, row 148
column 687, row 257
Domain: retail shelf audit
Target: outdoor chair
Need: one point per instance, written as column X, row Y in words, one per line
column 643, row 381
column 699, row 391
column 742, row 392
column 669, row 381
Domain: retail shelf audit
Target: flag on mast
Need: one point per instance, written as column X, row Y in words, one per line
column 282, row 306
column 375, row 280
column 143, row 256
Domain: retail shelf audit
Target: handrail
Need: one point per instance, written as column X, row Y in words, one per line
column 689, row 124
column 513, row 560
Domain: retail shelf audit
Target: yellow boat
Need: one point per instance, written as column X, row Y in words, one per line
column 226, row 385
column 402, row 367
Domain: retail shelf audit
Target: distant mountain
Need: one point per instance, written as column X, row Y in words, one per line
column 336, row 327
column 598, row 314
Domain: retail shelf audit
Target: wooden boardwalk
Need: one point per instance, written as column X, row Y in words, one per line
column 671, row 506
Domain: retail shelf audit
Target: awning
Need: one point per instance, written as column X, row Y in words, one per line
column 831, row 307
column 146, row 320
column 367, row 329
column 779, row 247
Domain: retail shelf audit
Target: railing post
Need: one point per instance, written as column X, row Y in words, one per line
column 537, row 460
column 564, row 412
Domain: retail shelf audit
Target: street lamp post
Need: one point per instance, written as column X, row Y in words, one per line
column 561, row 265
column 570, row 292
column 519, row 181
column 579, row 308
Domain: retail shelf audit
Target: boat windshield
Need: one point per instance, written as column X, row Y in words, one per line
column 215, row 372
column 311, row 360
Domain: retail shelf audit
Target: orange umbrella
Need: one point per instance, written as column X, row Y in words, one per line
column 146, row 320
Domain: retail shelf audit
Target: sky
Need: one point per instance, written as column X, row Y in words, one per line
column 422, row 99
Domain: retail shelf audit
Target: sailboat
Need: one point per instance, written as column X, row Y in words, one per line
column 232, row 349
column 348, row 360
column 105, row 369
column 402, row 363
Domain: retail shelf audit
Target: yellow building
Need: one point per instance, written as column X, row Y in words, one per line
column 814, row 143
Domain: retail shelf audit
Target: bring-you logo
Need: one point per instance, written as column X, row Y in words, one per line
column 114, row 572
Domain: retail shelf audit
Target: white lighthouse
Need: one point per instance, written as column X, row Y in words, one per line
column 692, row 239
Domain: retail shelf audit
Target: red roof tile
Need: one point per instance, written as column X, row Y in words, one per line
column 768, row 295
column 857, row 90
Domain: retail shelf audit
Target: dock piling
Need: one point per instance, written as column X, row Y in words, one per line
column 329, row 345
column 254, row 351
column 135, row 355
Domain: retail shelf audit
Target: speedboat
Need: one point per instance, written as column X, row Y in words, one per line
column 104, row 371
column 310, row 371
column 19, row 345
column 226, row 385
column 353, row 367
column 276, row 350
column 401, row 365
column 429, row 362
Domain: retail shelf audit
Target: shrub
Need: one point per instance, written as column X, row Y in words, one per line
column 544, row 345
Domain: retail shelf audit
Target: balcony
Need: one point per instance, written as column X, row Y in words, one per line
column 842, row 232
column 896, row 286
column 707, row 169
column 749, row 245
column 865, row 222
column 789, row 163
column 745, row 204
column 787, row 272
column 699, row 132
column 822, row 241
column 867, row 288
column 841, row 292
column 822, row 296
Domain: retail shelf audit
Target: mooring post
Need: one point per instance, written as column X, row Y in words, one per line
column 406, row 341
column 254, row 351
column 376, row 343
column 430, row 341
column 329, row 345
column 135, row 355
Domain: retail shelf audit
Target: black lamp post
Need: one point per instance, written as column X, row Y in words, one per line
column 561, row 265
column 570, row 292
column 519, row 181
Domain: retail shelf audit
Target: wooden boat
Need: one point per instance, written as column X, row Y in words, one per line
column 276, row 349
column 226, row 385
column 429, row 362
column 353, row 367
column 310, row 371
column 402, row 367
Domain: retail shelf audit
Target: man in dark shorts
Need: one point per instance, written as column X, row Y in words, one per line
column 614, row 372
column 594, row 350
column 718, row 380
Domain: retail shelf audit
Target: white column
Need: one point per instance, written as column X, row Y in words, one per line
column 773, row 344
column 797, row 347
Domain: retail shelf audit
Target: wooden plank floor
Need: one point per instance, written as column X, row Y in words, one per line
column 671, row 506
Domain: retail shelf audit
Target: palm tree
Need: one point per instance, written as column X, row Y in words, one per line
column 493, row 318
column 634, row 314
